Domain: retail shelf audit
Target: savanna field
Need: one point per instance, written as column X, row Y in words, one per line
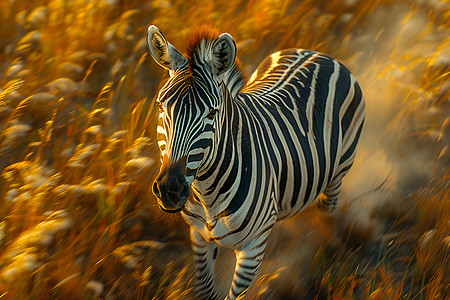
column 78, row 150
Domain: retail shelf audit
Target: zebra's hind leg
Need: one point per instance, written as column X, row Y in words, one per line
column 328, row 200
column 205, row 259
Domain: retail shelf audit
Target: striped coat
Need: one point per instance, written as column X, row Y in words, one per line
column 249, row 153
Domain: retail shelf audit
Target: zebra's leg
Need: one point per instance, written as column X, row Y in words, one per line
column 328, row 201
column 248, row 261
column 204, row 256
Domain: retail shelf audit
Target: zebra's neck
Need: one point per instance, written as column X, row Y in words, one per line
column 221, row 162
column 234, row 79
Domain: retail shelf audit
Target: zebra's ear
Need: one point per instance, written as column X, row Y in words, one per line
column 165, row 55
column 223, row 54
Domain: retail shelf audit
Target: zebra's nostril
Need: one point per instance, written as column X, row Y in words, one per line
column 184, row 193
column 155, row 189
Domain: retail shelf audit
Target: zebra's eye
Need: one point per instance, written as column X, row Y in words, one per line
column 211, row 114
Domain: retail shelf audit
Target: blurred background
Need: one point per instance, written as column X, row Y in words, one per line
column 78, row 151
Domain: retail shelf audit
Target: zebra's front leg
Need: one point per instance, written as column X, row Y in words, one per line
column 248, row 261
column 205, row 254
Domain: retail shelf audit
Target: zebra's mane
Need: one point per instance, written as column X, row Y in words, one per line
column 198, row 51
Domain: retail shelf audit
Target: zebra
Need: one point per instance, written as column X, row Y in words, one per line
column 237, row 155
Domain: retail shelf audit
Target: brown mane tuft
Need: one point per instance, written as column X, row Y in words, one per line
column 203, row 32
column 195, row 50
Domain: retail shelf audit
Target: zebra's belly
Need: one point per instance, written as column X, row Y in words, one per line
column 307, row 174
column 289, row 211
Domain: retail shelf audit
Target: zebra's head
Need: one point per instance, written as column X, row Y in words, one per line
column 190, row 111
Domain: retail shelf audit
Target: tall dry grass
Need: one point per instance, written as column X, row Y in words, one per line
column 77, row 150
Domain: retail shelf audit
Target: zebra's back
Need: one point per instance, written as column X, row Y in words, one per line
column 313, row 110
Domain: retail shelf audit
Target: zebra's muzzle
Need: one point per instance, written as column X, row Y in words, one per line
column 170, row 188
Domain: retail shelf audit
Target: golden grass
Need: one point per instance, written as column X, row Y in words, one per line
column 78, row 153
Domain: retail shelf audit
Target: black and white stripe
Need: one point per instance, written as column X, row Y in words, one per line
column 256, row 153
